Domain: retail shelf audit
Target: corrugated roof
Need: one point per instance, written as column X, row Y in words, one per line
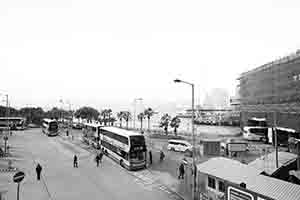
column 274, row 188
column 236, row 172
column 267, row 163
column 227, row 169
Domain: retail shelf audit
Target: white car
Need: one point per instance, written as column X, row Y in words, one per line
column 179, row 145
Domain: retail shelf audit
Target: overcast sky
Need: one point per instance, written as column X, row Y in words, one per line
column 103, row 53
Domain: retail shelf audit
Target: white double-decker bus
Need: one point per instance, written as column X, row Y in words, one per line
column 128, row 148
column 50, row 127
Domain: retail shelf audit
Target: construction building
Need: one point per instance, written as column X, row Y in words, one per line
column 272, row 91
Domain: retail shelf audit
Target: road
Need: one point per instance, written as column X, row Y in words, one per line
column 61, row 181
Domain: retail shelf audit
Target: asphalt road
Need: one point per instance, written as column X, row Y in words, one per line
column 61, row 181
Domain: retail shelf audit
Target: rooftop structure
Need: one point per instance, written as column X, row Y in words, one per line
column 267, row 163
column 227, row 169
column 236, row 172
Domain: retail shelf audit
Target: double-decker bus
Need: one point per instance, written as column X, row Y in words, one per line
column 91, row 134
column 15, row 123
column 128, row 148
column 50, row 127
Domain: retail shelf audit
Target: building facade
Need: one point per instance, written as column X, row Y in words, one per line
column 272, row 91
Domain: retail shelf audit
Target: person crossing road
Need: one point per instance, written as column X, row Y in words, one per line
column 38, row 171
column 75, row 162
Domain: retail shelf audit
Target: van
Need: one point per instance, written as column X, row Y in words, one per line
column 179, row 145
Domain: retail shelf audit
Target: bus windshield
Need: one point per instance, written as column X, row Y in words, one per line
column 137, row 140
column 53, row 126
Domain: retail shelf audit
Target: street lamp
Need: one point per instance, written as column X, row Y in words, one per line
column 193, row 135
column 135, row 100
column 71, row 122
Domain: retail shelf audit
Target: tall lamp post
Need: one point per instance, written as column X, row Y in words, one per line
column 135, row 100
column 71, row 122
column 193, row 136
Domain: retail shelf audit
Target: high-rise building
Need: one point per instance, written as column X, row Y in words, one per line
column 273, row 91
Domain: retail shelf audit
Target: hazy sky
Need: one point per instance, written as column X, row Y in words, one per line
column 106, row 53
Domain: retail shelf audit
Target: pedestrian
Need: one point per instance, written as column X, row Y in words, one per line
column 75, row 162
column 150, row 157
column 38, row 171
column 100, row 156
column 162, row 156
column 97, row 159
column 181, row 171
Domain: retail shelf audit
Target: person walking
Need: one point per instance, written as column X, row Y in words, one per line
column 75, row 162
column 100, row 156
column 181, row 171
column 38, row 170
column 97, row 159
column 162, row 156
column 150, row 157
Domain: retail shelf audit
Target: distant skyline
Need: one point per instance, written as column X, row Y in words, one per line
column 106, row 53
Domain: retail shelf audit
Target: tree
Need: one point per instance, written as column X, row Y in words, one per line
column 56, row 113
column 32, row 114
column 112, row 120
column 141, row 117
column 164, row 122
column 87, row 113
column 11, row 111
column 126, row 117
column 148, row 114
column 106, row 116
column 175, row 122
column 120, row 116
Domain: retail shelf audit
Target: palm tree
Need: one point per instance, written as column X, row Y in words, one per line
column 175, row 122
column 141, row 117
column 164, row 122
column 106, row 115
column 126, row 117
column 149, row 112
column 120, row 116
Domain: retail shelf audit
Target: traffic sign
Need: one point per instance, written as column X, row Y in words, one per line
column 18, row 177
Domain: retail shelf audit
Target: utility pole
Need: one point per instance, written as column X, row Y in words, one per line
column 275, row 135
column 135, row 100
column 194, row 170
column 7, row 125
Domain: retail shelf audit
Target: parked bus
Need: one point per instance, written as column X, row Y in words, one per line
column 258, row 129
column 91, row 134
column 15, row 123
column 128, row 148
column 50, row 127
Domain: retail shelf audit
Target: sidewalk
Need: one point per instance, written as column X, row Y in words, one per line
column 29, row 187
